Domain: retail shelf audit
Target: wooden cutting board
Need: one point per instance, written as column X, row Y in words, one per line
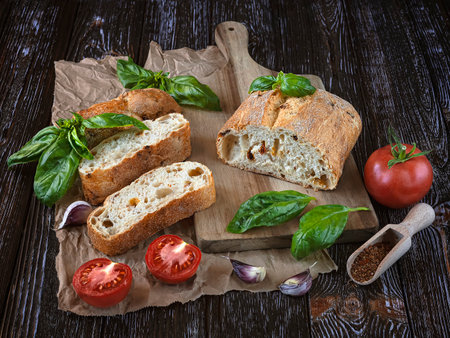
column 234, row 186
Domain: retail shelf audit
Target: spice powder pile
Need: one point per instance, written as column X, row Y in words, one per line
column 367, row 262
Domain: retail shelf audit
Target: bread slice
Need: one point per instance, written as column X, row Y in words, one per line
column 151, row 203
column 302, row 140
column 122, row 158
column 142, row 104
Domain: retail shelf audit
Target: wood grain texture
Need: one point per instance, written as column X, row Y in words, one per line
column 106, row 28
column 387, row 58
column 341, row 308
column 411, row 103
column 26, row 80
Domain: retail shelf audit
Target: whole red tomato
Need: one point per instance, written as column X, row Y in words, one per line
column 172, row 260
column 102, row 283
column 405, row 183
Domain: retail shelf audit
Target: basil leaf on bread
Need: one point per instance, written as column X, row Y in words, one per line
column 185, row 89
column 59, row 150
column 289, row 84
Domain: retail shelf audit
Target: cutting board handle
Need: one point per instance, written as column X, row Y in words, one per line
column 232, row 39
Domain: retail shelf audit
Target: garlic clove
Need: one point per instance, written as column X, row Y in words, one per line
column 76, row 214
column 297, row 285
column 248, row 273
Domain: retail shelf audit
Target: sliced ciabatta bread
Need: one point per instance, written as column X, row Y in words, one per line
column 142, row 104
column 302, row 140
column 125, row 156
column 151, row 203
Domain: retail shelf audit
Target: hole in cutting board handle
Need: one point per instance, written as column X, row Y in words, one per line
column 231, row 29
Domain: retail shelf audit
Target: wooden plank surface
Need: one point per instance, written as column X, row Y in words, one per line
column 235, row 186
column 387, row 58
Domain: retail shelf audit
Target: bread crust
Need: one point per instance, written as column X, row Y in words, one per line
column 142, row 104
column 324, row 120
column 103, row 182
column 171, row 213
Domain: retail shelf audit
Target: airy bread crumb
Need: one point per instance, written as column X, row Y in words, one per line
column 154, row 201
column 302, row 140
column 125, row 156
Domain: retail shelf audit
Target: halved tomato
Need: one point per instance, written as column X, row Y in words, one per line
column 102, row 283
column 172, row 260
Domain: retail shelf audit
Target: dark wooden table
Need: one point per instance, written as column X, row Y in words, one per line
column 389, row 58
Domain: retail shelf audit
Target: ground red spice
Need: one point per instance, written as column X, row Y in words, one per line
column 365, row 265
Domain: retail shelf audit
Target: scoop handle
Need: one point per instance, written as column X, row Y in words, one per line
column 418, row 218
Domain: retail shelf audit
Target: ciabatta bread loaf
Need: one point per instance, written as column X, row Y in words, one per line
column 302, row 140
column 151, row 203
column 142, row 104
column 125, row 156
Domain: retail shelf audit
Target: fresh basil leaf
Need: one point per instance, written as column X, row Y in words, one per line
column 319, row 228
column 56, row 170
column 112, row 120
column 297, row 86
column 268, row 209
column 78, row 118
column 33, row 149
column 133, row 76
column 189, row 91
column 262, row 83
column 279, row 76
column 184, row 89
column 289, row 84
column 79, row 144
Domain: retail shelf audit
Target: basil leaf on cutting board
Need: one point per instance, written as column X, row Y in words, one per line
column 31, row 151
column 289, row 84
column 185, row 89
column 319, row 228
column 268, row 209
column 56, row 170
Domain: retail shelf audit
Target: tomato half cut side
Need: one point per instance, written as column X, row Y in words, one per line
column 172, row 260
column 102, row 283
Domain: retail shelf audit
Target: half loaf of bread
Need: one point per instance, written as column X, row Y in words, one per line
column 151, row 203
column 302, row 140
column 125, row 156
column 142, row 104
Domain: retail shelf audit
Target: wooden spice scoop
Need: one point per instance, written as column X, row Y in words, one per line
column 398, row 236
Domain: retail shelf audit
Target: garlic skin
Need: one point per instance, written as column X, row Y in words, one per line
column 248, row 273
column 297, row 285
column 76, row 214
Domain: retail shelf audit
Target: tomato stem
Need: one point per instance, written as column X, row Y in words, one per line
column 398, row 149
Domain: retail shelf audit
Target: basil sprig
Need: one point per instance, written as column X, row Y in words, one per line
column 289, row 84
column 186, row 90
column 60, row 149
column 319, row 228
column 268, row 209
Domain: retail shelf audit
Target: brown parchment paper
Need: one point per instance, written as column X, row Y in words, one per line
column 78, row 86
